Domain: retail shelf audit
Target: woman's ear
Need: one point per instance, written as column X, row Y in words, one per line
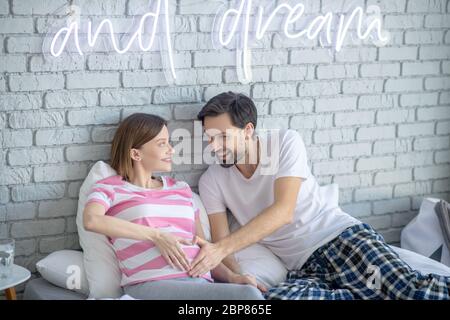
column 135, row 154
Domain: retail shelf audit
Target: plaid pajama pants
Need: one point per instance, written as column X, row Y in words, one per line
column 358, row 264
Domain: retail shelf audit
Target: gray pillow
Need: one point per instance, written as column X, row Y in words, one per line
column 65, row 269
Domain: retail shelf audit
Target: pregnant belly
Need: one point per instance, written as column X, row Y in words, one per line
column 150, row 259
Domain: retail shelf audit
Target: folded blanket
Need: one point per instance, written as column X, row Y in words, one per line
column 442, row 210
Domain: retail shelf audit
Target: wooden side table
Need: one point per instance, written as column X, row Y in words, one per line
column 18, row 276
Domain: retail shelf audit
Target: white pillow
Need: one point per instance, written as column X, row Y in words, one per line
column 203, row 216
column 422, row 263
column 260, row 262
column 424, row 235
column 62, row 266
column 102, row 269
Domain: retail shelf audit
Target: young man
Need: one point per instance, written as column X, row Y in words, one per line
column 330, row 254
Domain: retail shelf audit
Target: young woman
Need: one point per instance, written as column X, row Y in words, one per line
column 152, row 223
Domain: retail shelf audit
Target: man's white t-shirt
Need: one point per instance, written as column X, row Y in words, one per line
column 221, row 188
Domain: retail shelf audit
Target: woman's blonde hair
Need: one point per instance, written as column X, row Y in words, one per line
column 133, row 132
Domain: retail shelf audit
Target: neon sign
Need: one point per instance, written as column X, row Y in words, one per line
column 242, row 22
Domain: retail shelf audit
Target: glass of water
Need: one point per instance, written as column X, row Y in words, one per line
column 6, row 257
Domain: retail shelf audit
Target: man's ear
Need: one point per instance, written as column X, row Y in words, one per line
column 249, row 131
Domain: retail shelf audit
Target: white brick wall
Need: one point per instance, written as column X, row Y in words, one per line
column 375, row 120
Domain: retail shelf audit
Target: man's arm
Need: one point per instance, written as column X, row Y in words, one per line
column 220, row 230
column 222, row 272
column 280, row 213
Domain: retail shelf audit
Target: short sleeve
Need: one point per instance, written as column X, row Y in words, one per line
column 293, row 161
column 195, row 207
column 210, row 194
column 101, row 194
column 197, row 214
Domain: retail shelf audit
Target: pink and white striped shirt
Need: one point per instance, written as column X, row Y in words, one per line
column 170, row 209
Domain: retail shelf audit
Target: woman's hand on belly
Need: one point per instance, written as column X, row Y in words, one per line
column 170, row 248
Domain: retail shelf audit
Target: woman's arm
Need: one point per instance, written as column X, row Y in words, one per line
column 95, row 220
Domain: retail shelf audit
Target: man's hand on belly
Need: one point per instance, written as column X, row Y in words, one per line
column 209, row 257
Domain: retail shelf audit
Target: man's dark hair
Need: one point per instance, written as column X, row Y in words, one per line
column 241, row 109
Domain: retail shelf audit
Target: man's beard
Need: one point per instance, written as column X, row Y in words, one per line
column 227, row 164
